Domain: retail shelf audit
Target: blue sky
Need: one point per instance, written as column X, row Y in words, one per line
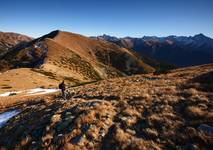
column 114, row 17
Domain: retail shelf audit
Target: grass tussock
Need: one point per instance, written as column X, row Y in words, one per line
column 137, row 112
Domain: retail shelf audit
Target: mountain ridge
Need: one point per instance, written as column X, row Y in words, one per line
column 179, row 50
column 63, row 55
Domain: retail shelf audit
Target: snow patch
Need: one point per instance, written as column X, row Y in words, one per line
column 39, row 91
column 36, row 91
column 4, row 117
column 10, row 93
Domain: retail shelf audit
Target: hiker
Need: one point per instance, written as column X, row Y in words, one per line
column 62, row 87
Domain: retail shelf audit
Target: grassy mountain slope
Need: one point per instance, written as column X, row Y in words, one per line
column 167, row 111
column 74, row 57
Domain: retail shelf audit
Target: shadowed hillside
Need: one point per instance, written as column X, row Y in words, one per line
column 181, row 51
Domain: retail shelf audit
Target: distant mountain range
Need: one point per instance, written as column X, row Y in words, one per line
column 78, row 58
column 178, row 50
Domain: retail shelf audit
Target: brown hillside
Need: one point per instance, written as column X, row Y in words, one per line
column 74, row 57
column 167, row 111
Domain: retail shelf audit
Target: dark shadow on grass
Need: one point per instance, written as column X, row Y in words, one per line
column 31, row 122
column 108, row 142
column 205, row 82
column 101, row 97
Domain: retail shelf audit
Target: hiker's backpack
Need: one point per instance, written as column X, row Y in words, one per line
column 60, row 86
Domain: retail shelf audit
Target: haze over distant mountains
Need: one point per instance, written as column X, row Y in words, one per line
column 179, row 50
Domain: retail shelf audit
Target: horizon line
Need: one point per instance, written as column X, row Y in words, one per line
column 157, row 36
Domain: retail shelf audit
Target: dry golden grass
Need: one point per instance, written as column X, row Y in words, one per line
column 137, row 112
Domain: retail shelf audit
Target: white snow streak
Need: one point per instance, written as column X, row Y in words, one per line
column 36, row 91
column 4, row 117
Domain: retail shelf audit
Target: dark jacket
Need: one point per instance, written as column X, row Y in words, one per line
column 62, row 86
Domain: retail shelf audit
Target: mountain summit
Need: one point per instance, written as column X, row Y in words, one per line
column 148, row 111
column 74, row 57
